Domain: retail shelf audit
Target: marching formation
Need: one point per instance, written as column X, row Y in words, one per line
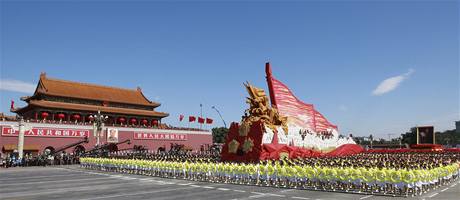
column 386, row 174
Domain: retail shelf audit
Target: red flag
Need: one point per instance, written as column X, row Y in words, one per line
column 209, row 121
column 12, row 105
column 181, row 117
column 191, row 118
column 200, row 120
column 301, row 114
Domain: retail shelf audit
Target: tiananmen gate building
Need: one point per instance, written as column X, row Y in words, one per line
column 61, row 112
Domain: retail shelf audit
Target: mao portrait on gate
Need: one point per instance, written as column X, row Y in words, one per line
column 112, row 135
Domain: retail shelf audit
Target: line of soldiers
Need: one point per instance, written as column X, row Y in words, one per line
column 329, row 174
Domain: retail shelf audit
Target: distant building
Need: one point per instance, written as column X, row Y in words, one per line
column 457, row 126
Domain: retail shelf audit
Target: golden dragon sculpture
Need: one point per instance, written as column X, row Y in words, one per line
column 259, row 109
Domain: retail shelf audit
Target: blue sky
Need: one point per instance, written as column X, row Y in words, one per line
column 369, row 67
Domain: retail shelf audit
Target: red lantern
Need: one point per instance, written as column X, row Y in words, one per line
column 44, row 115
column 121, row 119
column 133, row 120
column 60, row 116
column 155, row 122
column 144, row 121
column 91, row 118
column 76, row 116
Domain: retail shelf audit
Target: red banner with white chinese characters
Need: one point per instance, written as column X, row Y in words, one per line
column 46, row 132
column 159, row 136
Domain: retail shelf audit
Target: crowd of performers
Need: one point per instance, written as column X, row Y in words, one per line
column 322, row 134
column 398, row 174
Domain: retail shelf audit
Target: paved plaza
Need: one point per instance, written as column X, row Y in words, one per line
column 71, row 182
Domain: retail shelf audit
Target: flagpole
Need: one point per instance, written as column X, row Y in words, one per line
column 201, row 115
column 268, row 72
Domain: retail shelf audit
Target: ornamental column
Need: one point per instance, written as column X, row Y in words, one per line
column 21, row 138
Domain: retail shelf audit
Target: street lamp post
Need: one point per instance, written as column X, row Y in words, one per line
column 225, row 124
column 98, row 125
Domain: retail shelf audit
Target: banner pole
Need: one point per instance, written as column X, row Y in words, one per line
column 201, row 115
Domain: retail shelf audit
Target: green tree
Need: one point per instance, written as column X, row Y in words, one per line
column 410, row 137
column 449, row 137
column 219, row 134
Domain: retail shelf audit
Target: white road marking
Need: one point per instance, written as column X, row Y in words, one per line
column 444, row 189
column 454, row 185
column 431, row 196
column 194, row 186
column 166, row 183
column 224, row 189
column 208, row 187
column 366, row 197
column 147, row 180
column 258, row 193
column 127, row 178
column 300, row 198
column 275, row 195
column 256, row 196
column 184, row 184
column 239, row 191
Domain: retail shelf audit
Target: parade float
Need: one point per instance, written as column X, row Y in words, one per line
column 286, row 128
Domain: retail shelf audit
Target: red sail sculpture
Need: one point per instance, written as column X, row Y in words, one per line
column 299, row 113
